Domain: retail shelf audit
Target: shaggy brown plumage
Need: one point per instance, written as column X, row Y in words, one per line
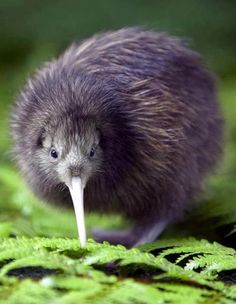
column 133, row 111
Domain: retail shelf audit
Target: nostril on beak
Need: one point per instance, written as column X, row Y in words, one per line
column 75, row 170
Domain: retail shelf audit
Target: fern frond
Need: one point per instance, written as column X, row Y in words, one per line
column 81, row 274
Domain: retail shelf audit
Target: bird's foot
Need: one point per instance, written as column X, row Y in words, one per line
column 139, row 234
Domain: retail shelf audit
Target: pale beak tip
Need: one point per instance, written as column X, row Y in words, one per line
column 76, row 190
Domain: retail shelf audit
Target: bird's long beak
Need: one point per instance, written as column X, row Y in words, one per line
column 77, row 190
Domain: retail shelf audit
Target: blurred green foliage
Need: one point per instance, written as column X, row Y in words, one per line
column 210, row 26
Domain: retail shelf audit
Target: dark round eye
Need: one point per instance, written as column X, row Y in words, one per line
column 53, row 153
column 92, row 152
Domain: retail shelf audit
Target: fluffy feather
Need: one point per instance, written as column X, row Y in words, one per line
column 151, row 104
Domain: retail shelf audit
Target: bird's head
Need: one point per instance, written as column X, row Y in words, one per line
column 69, row 151
column 69, row 147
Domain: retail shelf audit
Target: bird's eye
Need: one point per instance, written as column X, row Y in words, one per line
column 53, row 153
column 92, row 152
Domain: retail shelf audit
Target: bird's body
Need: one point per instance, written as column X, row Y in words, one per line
column 134, row 113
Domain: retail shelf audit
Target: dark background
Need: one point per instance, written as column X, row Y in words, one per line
column 29, row 26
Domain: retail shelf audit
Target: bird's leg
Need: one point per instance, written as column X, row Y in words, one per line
column 142, row 232
column 148, row 232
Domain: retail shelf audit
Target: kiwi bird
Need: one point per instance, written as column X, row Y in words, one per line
column 124, row 122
